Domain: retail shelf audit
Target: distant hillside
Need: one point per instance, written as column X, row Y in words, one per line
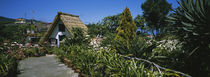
column 29, row 20
column 5, row 20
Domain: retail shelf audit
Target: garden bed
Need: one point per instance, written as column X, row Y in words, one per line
column 99, row 63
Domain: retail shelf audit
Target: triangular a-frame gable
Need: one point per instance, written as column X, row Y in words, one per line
column 68, row 20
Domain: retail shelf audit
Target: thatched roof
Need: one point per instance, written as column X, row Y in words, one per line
column 69, row 21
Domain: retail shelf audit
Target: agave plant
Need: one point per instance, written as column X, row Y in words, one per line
column 191, row 21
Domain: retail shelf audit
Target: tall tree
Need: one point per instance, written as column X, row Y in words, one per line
column 155, row 12
column 112, row 22
column 140, row 21
column 127, row 28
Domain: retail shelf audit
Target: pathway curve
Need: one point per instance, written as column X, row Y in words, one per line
column 47, row 66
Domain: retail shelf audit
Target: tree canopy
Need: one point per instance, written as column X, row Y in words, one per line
column 140, row 22
column 155, row 12
column 112, row 21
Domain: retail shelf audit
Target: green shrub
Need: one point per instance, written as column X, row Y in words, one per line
column 29, row 52
column 77, row 38
column 108, row 39
column 168, row 53
column 105, row 63
column 137, row 47
column 8, row 65
column 96, row 29
column 191, row 24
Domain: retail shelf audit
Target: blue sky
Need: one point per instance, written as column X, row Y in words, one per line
column 90, row 11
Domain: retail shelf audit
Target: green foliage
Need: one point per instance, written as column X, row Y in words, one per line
column 77, row 38
column 168, row 52
column 140, row 22
column 30, row 52
column 112, row 22
column 108, row 24
column 4, row 19
column 8, row 63
column 137, row 47
column 104, row 63
column 107, row 62
column 108, row 39
column 96, row 29
column 12, row 33
column 155, row 12
column 127, row 29
column 32, row 27
column 78, row 34
column 191, row 24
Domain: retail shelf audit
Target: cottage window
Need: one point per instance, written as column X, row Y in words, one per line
column 61, row 27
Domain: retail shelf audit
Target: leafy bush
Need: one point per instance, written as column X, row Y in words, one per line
column 30, row 52
column 137, row 47
column 78, row 37
column 191, row 24
column 96, row 29
column 8, row 62
column 104, row 62
column 108, row 39
column 168, row 53
column 8, row 65
column 191, row 20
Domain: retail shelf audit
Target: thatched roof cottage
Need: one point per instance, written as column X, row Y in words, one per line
column 62, row 27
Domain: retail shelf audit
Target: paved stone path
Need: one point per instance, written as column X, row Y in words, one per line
column 47, row 66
